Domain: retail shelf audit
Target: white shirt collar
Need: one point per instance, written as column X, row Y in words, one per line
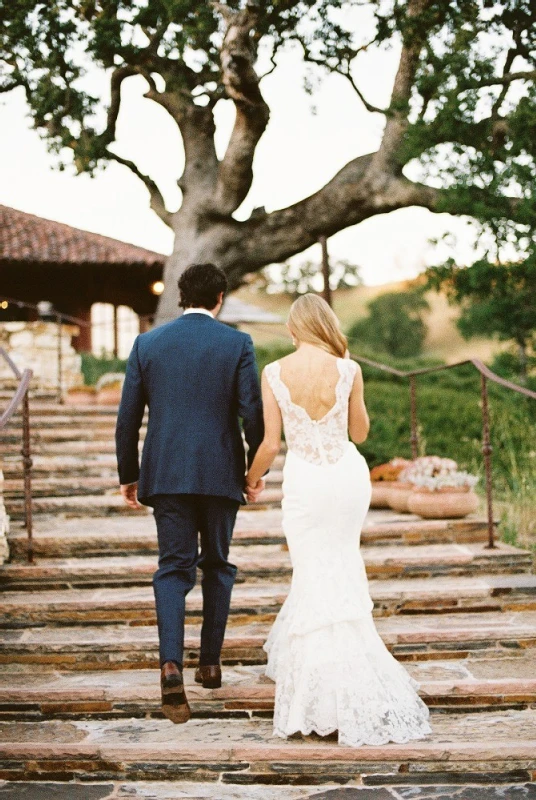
column 198, row 311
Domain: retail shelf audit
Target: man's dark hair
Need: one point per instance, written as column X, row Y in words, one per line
column 200, row 286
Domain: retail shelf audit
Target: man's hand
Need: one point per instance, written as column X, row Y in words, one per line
column 254, row 491
column 129, row 493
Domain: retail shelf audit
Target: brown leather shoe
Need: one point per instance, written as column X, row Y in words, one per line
column 174, row 702
column 209, row 676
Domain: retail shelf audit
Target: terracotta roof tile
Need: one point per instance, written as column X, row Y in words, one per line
column 27, row 238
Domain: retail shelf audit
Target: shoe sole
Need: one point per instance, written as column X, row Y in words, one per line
column 174, row 704
column 210, row 684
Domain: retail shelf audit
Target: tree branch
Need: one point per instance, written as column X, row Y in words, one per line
column 241, row 84
column 157, row 200
column 339, row 70
column 397, row 121
column 504, row 80
column 118, row 76
column 353, row 195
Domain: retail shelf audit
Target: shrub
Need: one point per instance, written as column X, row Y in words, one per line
column 93, row 367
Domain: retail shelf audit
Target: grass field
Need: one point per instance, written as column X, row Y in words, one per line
column 515, row 495
column 444, row 341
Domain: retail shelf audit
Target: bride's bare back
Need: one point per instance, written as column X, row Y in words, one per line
column 311, row 376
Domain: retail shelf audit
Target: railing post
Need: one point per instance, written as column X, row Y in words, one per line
column 414, row 424
column 326, row 271
column 116, row 332
column 27, row 467
column 486, row 451
column 59, row 394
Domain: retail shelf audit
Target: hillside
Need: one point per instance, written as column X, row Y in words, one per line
column 444, row 341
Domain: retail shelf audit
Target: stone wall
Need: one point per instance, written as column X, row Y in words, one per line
column 4, row 523
column 34, row 345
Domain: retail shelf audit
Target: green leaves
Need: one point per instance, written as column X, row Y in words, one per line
column 395, row 324
column 495, row 299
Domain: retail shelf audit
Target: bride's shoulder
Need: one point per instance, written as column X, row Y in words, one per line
column 350, row 366
column 271, row 371
column 273, row 366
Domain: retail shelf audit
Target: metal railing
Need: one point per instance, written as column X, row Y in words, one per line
column 21, row 397
column 485, row 375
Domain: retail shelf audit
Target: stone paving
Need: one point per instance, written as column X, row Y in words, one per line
column 443, row 685
column 195, row 791
column 495, row 746
column 263, row 600
column 272, row 562
column 79, row 705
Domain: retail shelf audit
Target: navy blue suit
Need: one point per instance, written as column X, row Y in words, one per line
column 198, row 378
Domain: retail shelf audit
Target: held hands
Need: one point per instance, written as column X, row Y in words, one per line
column 129, row 493
column 253, row 491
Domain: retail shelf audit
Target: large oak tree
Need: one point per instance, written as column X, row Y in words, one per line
column 461, row 117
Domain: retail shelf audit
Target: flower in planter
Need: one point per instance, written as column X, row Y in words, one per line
column 389, row 471
column 433, row 474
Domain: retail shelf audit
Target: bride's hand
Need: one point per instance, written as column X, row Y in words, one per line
column 254, row 490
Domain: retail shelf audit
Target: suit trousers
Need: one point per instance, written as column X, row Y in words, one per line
column 182, row 520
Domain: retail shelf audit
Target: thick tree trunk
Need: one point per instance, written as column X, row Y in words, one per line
column 194, row 243
column 205, row 229
column 357, row 192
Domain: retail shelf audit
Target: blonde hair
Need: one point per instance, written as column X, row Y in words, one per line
column 311, row 320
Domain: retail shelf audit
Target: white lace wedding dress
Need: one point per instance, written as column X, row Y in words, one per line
column 331, row 668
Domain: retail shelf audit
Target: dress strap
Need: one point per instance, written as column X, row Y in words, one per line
column 272, row 372
column 347, row 369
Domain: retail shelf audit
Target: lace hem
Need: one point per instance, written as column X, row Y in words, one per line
column 342, row 678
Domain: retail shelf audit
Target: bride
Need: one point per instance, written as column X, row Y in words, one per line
column 331, row 669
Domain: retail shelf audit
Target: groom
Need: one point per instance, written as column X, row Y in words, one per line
column 198, row 377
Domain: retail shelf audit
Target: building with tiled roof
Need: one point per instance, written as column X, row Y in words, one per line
column 43, row 260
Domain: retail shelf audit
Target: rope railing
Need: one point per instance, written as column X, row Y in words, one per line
column 21, row 397
column 486, row 375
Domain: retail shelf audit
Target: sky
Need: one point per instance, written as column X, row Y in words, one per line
column 302, row 148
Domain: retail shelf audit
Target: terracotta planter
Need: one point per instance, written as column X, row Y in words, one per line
column 109, row 396
column 380, row 494
column 399, row 493
column 76, row 397
column 444, row 503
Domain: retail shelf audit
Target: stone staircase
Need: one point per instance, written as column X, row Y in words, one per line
column 79, row 693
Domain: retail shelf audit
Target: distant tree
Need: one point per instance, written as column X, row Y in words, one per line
column 299, row 278
column 495, row 300
column 458, row 128
column 395, row 324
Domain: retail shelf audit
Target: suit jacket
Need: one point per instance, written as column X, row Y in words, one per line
column 199, row 378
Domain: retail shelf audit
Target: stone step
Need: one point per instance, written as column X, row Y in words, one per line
column 44, row 789
column 58, row 537
column 69, row 448
column 444, row 686
column 83, row 485
column 81, row 432
column 50, row 466
column 262, row 601
column 486, row 747
column 46, row 405
column 272, row 562
column 67, row 417
column 103, row 505
column 416, row 638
